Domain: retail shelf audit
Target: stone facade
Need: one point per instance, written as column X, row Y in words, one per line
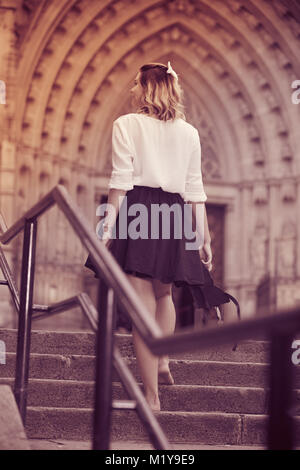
column 68, row 67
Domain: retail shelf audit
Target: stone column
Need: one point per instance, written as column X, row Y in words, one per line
column 246, row 293
column 232, row 267
column 297, row 209
column 8, row 64
column 275, row 218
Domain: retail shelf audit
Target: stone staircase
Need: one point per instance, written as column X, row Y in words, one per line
column 220, row 397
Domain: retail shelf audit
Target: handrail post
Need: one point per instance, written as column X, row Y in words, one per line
column 25, row 315
column 280, row 425
column 104, row 367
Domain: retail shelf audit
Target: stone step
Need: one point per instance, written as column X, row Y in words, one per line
column 12, row 433
column 83, row 343
column 194, row 427
column 62, row 444
column 220, row 396
column 185, row 372
column 75, row 394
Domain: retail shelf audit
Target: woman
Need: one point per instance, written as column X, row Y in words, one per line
column 157, row 161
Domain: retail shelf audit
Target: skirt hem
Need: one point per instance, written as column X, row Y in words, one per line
column 205, row 296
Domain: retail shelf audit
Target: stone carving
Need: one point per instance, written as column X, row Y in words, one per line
column 282, row 60
column 109, row 12
column 246, row 58
column 288, row 191
column 260, row 193
column 27, row 15
column 108, row 43
column 234, row 5
column 176, row 34
column 259, row 250
column 281, row 126
column 181, row 6
column 286, row 153
column 253, row 131
column 258, row 156
column 289, row 12
column 229, row 40
column 252, row 21
column 271, row 99
column 244, row 109
column 286, row 251
column 211, row 166
column 218, row 68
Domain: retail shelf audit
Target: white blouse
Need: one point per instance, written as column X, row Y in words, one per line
column 149, row 152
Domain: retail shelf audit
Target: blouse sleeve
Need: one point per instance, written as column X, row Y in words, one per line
column 194, row 190
column 122, row 159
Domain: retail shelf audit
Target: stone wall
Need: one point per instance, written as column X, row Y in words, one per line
column 69, row 66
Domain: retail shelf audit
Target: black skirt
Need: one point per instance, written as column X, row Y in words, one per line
column 151, row 248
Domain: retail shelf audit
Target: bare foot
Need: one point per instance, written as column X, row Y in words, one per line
column 153, row 402
column 155, row 407
column 164, row 375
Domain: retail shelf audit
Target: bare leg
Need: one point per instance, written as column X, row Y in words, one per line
column 166, row 318
column 147, row 362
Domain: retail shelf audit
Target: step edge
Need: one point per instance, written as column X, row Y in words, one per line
column 187, row 387
column 132, row 358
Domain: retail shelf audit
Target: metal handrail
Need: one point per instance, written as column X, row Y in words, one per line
column 138, row 401
column 113, row 276
column 279, row 326
column 105, row 262
column 286, row 321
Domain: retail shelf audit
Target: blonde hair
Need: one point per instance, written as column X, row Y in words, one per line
column 162, row 94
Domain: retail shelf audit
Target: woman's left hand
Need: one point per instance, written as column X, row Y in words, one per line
column 205, row 251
